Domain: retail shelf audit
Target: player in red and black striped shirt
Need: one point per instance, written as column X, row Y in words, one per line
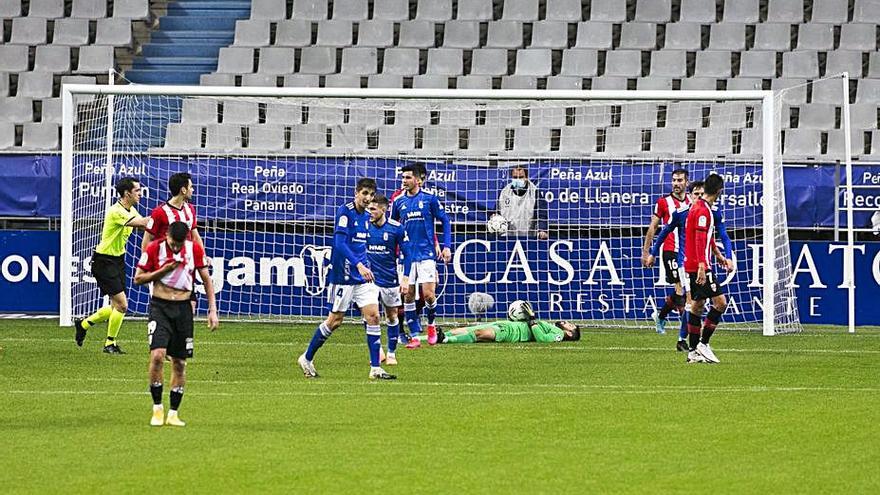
column 665, row 207
column 699, row 232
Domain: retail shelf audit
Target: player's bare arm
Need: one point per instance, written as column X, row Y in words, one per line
column 213, row 320
column 140, row 223
column 649, row 237
column 148, row 238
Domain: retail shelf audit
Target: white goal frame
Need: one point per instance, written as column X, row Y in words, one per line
column 769, row 146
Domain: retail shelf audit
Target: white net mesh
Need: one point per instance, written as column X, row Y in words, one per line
column 269, row 174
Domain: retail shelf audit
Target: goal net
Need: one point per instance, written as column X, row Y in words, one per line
column 579, row 174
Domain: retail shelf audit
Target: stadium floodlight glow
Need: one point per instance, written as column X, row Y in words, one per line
column 270, row 165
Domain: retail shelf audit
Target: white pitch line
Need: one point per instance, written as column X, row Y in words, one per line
column 532, row 347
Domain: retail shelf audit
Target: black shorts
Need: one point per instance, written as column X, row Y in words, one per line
column 170, row 327
column 708, row 290
column 109, row 272
column 670, row 264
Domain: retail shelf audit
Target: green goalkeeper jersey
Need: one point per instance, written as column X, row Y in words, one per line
column 519, row 331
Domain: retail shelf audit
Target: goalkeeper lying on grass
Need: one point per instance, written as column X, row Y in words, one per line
column 531, row 330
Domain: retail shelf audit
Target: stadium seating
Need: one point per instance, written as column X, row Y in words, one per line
column 784, row 45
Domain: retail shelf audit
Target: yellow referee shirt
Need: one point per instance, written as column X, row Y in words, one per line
column 116, row 230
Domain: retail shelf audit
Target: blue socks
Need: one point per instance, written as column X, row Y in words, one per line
column 374, row 336
column 683, row 331
column 431, row 308
column 412, row 319
column 322, row 333
column 393, row 335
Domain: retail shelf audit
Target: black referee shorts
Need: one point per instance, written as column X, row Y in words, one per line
column 109, row 272
column 170, row 327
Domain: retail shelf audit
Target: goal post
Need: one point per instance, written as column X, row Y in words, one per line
column 270, row 165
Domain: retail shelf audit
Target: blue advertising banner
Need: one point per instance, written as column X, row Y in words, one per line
column 565, row 278
column 309, row 188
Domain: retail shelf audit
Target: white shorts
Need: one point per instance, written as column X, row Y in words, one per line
column 390, row 296
column 685, row 280
column 343, row 295
column 423, row 272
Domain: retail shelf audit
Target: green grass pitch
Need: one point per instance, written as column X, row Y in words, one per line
column 617, row 412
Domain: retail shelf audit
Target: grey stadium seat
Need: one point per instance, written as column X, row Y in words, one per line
column 268, row 138
column 863, row 116
column 342, row 81
column 445, row 61
column 132, row 9
column 89, row 9
column 638, row 115
column 828, row 91
column 830, row 11
column 565, row 82
column 594, row 35
column 319, row 114
column 475, row 10
column 727, row 36
column 251, row 32
column 28, row 31
column 669, row 141
column 683, row 36
column 367, row 118
column 801, row 143
column 577, row 140
column 866, row 11
column 269, row 10
column 275, row 60
column 608, row 82
column 626, row 63
column 35, row 84
column 114, row 32
column 868, row 91
column 310, row 10
column 697, row 11
column 669, row 63
column 412, row 117
column 858, row 37
column 349, row 138
column 475, row 81
column 684, row 115
column 240, row 112
column 215, row 79
column 816, row 116
column 752, row 142
column 44, row 136
column 308, row 137
column 183, row 137
column 653, row 10
column 360, row 61
column 385, row 81
column 4, row 84
column 519, row 82
column 728, row 115
column 294, row 33
column 283, row 114
column 416, row 34
column 549, row 34
column 638, row 36
column 654, row 83
column 745, row 83
column 319, row 60
column 757, row 64
column 334, row 33
column 235, row 60
column 376, row 33
column 840, row 61
column 51, row 110
column 12, row 8
column 714, row 141
column 579, row 63
column 396, row 138
column 623, row 141
column 350, row 10
column 564, row 10
column 47, row 9
column 815, row 37
column 391, row 10
column 699, row 83
column 95, row 60
column 301, row 80
column 713, row 64
column 785, row 11
column 504, row 34
column 434, row 10
column 592, row 116
column 430, row 81
column 533, row 62
column 52, row 58
column 223, row 137
column 485, row 138
column 489, row 62
column 874, row 66
column 461, row 34
column 800, row 64
column 776, row 37
column 440, row 139
column 199, row 111
column 836, row 143
column 531, row 139
column 401, row 61
column 7, row 135
column 792, row 91
column 740, row 11
column 519, row 10
column 17, row 110
column 459, row 115
column 608, row 11
column 71, row 32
